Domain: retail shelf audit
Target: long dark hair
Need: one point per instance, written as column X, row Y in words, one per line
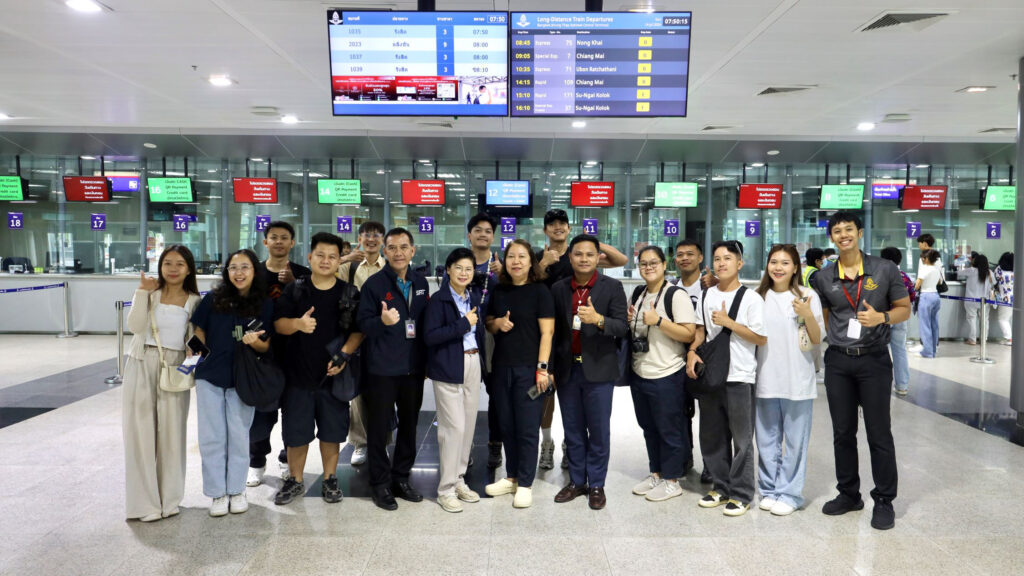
column 226, row 298
column 794, row 282
column 189, row 285
column 981, row 263
column 531, row 275
column 1006, row 262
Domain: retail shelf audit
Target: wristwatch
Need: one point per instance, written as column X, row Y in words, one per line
column 886, row 314
column 659, row 321
column 542, row 365
column 600, row 323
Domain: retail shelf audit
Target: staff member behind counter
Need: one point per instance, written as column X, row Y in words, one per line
column 861, row 297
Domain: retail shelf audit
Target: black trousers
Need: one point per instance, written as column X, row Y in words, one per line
column 864, row 381
column 382, row 396
column 494, row 433
column 259, row 438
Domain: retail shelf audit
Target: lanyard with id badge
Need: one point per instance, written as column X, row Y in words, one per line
column 410, row 324
column 854, row 327
column 577, row 322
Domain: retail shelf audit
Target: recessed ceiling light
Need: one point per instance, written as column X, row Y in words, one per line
column 579, row 124
column 149, row 145
column 256, row 159
column 86, row 5
column 221, row 80
column 591, row 163
column 4, row 116
column 921, row 166
column 424, row 161
column 757, row 165
column 290, row 119
column 772, row 152
column 976, row 89
column 87, row 157
column 865, row 126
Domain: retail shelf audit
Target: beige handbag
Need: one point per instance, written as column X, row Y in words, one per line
column 171, row 379
column 802, row 336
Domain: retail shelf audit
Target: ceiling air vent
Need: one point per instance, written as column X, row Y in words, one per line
column 999, row 131
column 265, row 111
column 435, row 123
column 915, row 21
column 896, row 118
column 783, row 90
column 711, row 128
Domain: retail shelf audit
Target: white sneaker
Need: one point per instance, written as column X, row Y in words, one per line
column 664, row 491
column 450, row 503
column 466, row 494
column 238, row 503
column 219, row 507
column 523, row 498
column 647, row 484
column 359, row 456
column 501, row 487
column 151, row 517
column 782, row 509
column 767, row 503
column 255, row 477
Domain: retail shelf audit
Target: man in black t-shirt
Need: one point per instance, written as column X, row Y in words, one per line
column 308, row 312
column 277, row 272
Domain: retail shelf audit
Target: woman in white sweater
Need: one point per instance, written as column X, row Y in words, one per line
column 154, row 420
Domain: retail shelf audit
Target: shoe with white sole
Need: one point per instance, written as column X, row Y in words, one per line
column 466, row 494
column 450, row 503
column 501, row 487
column 359, row 456
column 711, row 499
column 782, row 509
column 647, row 484
column 523, row 498
column 255, row 477
column 151, row 517
column 665, row 490
column 238, row 504
column 735, row 508
column 767, row 503
column 219, row 507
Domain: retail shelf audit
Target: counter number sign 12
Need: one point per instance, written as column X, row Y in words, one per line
column 181, row 222
column 993, row 230
column 15, row 220
column 752, row 228
column 508, row 226
column 913, row 229
column 98, row 222
column 344, row 224
column 426, row 224
column 671, row 227
column 262, row 221
column 590, row 226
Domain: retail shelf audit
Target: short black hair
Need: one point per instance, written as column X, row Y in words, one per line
column 844, row 216
column 372, row 226
column 345, row 244
column 690, row 242
column 1006, row 262
column 556, row 215
column 651, row 248
column 813, row 255
column 828, row 252
column 892, row 254
column 398, row 232
column 279, row 224
column 926, row 239
column 482, row 217
column 579, row 238
column 325, row 238
column 460, row 253
column 734, row 246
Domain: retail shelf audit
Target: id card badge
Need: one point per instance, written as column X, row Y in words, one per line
column 577, row 324
column 410, row 329
column 853, row 329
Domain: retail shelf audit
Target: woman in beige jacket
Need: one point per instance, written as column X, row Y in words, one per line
column 154, row 421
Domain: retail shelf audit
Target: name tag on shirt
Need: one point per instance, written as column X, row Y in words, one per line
column 853, row 329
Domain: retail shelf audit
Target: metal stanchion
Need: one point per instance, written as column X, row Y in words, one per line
column 116, row 378
column 983, row 358
column 68, row 333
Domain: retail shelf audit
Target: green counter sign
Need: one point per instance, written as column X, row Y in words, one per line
column 170, row 190
column 1000, row 198
column 338, row 192
column 675, row 194
column 842, row 197
column 13, row 188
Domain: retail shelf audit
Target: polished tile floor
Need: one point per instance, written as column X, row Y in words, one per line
column 960, row 510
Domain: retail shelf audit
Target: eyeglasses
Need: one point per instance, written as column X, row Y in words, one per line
column 782, row 247
column 650, row 264
column 372, row 235
column 239, row 268
column 464, row 269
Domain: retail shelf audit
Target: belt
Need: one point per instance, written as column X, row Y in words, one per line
column 473, row 351
column 578, row 359
column 864, row 351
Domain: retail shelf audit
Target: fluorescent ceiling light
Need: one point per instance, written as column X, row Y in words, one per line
column 865, row 126
column 591, row 163
column 424, row 161
column 290, row 119
column 149, row 145
column 256, row 159
column 976, row 89
column 772, row 152
column 221, row 80
column 4, row 116
column 85, row 5
column 87, row 157
column 921, row 166
column 579, row 124
column 757, row 165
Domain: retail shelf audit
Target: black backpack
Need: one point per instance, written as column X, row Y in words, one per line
column 669, row 292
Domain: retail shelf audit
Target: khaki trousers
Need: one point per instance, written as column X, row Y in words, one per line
column 456, row 423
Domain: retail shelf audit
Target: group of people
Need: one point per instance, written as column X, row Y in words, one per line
column 532, row 326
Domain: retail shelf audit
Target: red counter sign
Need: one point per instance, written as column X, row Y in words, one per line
column 923, row 198
column 86, row 189
column 760, row 196
column 423, row 192
column 592, row 194
column 255, row 190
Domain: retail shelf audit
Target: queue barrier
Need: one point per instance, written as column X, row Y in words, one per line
column 68, row 332
column 119, row 306
column 982, row 358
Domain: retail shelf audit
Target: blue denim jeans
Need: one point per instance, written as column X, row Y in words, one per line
column 224, row 422
column 781, row 472
column 898, row 349
column 928, row 322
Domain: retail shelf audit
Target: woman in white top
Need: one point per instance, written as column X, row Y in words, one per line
column 1004, row 286
column 661, row 321
column 978, row 283
column 786, row 385
column 154, row 420
column 928, row 275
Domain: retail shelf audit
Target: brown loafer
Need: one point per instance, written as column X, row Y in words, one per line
column 569, row 493
column 597, row 499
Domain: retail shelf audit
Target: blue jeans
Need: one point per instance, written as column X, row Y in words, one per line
column 658, row 404
column 586, row 416
column 224, row 422
column 898, row 349
column 781, row 471
column 928, row 322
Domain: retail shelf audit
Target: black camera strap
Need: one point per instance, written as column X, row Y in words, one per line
column 638, row 312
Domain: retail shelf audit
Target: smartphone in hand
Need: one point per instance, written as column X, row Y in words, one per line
column 197, row 347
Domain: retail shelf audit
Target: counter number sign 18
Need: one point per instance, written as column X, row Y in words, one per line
column 426, row 224
column 913, row 229
column 590, row 226
column 344, row 224
column 262, row 221
column 752, row 228
column 15, row 221
column 993, row 230
column 181, row 222
column 671, row 227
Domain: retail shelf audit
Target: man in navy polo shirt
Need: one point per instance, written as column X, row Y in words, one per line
column 862, row 296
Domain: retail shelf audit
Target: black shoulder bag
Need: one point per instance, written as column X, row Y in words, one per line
column 259, row 381
column 712, row 374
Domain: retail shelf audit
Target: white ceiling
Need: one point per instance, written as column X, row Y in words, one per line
column 131, row 70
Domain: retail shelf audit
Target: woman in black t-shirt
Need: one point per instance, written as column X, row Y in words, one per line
column 521, row 315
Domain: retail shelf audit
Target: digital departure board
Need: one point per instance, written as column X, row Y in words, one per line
column 507, row 193
column 592, row 194
column 999, row 198
column 338, row 191
column 841, row 197
column 599, row 63
column 86, row 189
column 13, row 188
column 423, row 192
column 171, row 190
column 922, row 198
column 675, row 194
column 418, row 63
column 760, row 196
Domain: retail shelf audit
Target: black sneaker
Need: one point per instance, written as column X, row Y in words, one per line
column 493, row 454
column 705, row 477
column 883, row 517
column 282, row 456
column 330, row 491
column 841, row 505
column 290, row 491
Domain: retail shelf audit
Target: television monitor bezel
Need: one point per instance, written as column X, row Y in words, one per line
column 903, row 191
column 107, row 182
column 444, row 191
column 24, row 187
column 573, row 184
column 739, row 192
column 529, row 194
column 821, row 193
column 359, row 184
column 234, row 190
column 984, row 198
column 696, row 201
column 191, row 186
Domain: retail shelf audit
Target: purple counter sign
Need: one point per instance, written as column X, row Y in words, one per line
column 590, row 226
column 752, row 228
column 506, row 240
column 671, row 227
column 15, row 220
column 181, row 222
column 508, row 226
column 426, row 224
column 913, row 229
column 98, row 222
column 262, row 221
column 344, row 224
column 993, row 230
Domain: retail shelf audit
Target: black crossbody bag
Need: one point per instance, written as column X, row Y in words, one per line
column 712, row 374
